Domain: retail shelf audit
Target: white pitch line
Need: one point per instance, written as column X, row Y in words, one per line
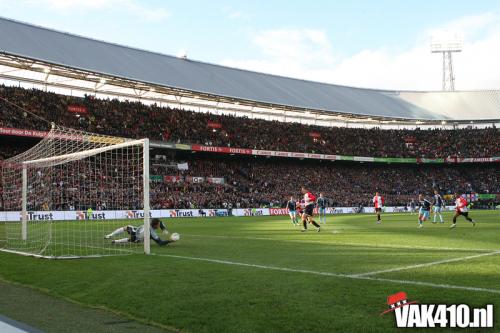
column 439, row 262
column 344, row 243
column 429, row 284
column 337, row 275
column 235, row 263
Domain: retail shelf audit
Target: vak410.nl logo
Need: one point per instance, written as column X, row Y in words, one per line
column 411, row 314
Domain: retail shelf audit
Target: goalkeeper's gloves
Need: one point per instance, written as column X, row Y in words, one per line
column 162, row 242
column 165, row 232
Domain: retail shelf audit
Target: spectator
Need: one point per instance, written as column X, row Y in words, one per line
column 136, row 120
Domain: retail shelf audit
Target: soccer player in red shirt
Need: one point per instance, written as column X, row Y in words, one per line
column 461, row 209
column 378, row 203
column 307, row 215
column 300, row 207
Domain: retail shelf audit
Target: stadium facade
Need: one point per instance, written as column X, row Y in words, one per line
column 116, row 179
column 76, row 65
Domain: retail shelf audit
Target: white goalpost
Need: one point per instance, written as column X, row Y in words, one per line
column 62, row 196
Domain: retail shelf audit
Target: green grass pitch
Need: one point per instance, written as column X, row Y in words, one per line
column 261, row 274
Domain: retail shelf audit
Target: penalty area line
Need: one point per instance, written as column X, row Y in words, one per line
column 337, row 275
column 335, row 243
column 428, row 264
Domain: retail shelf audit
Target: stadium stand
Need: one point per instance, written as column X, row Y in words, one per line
column 134, row 119
column 252, row 182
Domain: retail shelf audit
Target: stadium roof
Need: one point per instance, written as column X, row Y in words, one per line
column 205, row 80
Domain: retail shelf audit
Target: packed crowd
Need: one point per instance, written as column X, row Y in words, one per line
column 105, row 182
column 265, row 183
column 134, row 119
column 248, row 182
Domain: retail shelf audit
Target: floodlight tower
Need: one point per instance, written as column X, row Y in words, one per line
column 447, row 46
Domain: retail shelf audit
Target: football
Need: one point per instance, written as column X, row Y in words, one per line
column 175, row 237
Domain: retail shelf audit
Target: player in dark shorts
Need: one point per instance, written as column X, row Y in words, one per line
column 461, row 209
column 307, row 215
column 378, row 203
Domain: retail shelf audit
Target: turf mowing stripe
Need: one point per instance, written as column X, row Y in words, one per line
column 345, row 244
column 345, row 276
column 439, row 262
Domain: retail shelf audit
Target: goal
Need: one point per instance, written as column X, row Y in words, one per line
column 61, row 197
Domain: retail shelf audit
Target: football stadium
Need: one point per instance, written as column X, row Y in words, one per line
column 144, row 192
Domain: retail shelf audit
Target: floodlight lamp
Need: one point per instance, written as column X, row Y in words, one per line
column 446, row 42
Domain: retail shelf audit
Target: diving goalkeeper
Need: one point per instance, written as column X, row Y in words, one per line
column 136, row 234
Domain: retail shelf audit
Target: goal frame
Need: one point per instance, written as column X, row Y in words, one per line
column 88, row 153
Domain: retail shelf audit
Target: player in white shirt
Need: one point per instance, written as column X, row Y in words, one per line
column 378, row 203
column 307, row 215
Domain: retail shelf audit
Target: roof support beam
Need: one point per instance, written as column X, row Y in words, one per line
column 106, row 85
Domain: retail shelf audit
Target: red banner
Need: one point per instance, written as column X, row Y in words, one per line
column 172, row 179
column 36, row 134
column 22, row 132
column 77, row 109
column 213, row 124
column 245, row 151
column 315, row 135
column 224, row 150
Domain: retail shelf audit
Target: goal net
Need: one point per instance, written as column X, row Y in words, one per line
column 63, row 196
